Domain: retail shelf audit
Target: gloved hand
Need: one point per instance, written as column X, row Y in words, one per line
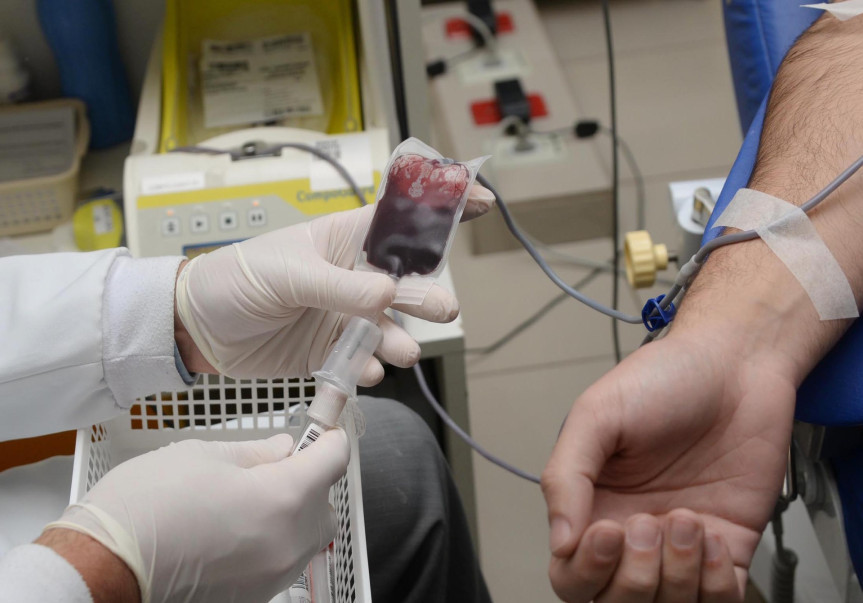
column 216, row 521
column 273, row 306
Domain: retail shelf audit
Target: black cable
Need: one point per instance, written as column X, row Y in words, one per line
column 441, row 66
column 615, row 175
column 640, row 192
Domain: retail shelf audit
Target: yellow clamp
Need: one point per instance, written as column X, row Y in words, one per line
column 643, row 259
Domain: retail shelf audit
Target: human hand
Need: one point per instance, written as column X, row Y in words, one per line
column 666, row 473
column 216, row 521
column 273, row 306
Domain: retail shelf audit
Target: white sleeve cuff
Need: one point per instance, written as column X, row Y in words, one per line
column 36, row 574
column 138, row 328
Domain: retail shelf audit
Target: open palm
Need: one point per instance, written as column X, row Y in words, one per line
column 678, row 425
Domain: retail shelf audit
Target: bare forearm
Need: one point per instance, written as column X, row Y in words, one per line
column 108, row 578
column 813, row 130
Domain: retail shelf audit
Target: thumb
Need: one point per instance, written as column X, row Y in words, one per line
column 321, row 464
column 256, row 452
column 585, row 443
column 359, row 293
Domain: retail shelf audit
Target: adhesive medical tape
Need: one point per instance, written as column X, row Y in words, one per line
column 841, row 10
column 790, row 235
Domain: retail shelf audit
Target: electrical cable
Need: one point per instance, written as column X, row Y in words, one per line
column 441, row 66
column 615, row 175
column 640, row 193
column 274, row 151
column 530, row 321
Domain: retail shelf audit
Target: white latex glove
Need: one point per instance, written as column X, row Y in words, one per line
column 273, row 306
column 216, row 521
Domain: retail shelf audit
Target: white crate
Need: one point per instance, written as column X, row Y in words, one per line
column 37, row 204
column 221, row 408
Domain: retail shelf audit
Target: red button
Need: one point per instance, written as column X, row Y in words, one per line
column 487, row 112
column 458, row 28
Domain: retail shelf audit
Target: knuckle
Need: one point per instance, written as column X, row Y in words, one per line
column 638, row 583
column 552, row 480
column 678, row 580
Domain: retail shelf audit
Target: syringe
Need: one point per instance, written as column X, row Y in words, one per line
column 336, row 383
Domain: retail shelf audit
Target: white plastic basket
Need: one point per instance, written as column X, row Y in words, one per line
column 35, row 204
column 221, row 408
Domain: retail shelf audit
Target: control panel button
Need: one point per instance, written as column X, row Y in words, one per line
column 170, row 227
column 257, row 216
column 228, row 220
column 200, row 223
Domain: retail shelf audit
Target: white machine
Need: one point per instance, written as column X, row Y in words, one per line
column 180, row 202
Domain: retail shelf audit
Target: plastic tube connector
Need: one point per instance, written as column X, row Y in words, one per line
column 337, row 379
column 655, row 316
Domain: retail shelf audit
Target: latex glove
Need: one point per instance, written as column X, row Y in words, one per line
column 273, row 306
column 686, row 422
column 216, row 521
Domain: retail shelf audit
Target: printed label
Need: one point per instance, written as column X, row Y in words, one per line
column 36, row 143
column 103, row 219
column 172, row 183
column 313, row 432
column 300, row 590
column 259, row 80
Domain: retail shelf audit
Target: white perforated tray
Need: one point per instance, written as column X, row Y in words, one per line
column 221, row 408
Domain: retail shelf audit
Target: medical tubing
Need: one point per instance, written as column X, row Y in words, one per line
column 448, row 420
column 549, row 271
column 463, row 434
column 693, row 266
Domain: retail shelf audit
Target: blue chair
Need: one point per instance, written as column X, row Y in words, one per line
column 759, row 34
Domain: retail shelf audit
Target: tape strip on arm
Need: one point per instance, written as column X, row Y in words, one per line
column 791, row 236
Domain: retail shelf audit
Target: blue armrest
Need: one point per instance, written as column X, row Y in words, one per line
column 759, row 34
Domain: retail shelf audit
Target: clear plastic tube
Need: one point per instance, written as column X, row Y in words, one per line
column 336, row 384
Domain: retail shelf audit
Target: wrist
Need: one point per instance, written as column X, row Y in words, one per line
column 192, row 358
column 749, row 305
column 106, row 575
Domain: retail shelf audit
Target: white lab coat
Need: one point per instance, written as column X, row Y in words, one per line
column 82, row 335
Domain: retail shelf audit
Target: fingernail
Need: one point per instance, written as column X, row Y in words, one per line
column 481, row 193
column 683, row 532
column 607, row 544
column 712, row 547
column 643, row 534
column 560, row 533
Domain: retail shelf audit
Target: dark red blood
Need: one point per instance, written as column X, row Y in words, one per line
column 411, row 225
